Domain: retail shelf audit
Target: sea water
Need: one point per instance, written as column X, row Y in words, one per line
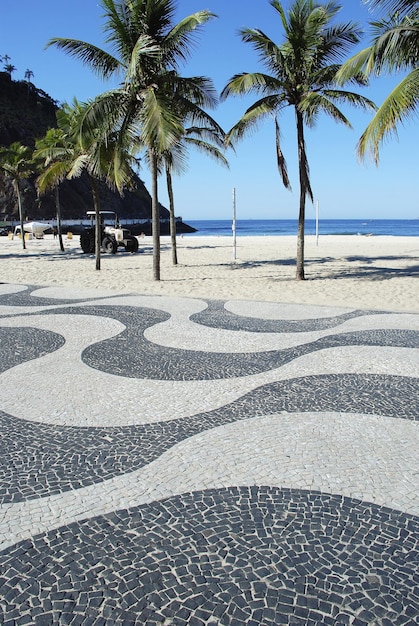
column 223, row 228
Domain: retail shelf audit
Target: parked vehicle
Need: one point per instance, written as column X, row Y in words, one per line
column 113, row 235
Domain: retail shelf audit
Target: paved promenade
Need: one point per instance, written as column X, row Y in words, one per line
column 172, row 461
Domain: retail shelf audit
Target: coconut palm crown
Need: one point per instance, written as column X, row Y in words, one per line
column 73, row 148
column 394, row 48
column 302, row 75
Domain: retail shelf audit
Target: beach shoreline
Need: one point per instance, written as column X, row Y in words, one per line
column 349, row 271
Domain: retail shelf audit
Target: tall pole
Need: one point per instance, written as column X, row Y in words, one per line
column 234, row 223
column 317, row 222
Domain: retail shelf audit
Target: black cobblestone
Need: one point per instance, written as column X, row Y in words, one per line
column 129, row 542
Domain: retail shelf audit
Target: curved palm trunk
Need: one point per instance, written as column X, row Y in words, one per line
column 155, row 215
column 58, row 208
column 172, row 216
column 302, row 170
column 98, row 232
column 19, row 202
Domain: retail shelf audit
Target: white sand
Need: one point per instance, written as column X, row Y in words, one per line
column 349, row 271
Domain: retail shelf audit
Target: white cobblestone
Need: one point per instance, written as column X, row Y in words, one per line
column 324, row 452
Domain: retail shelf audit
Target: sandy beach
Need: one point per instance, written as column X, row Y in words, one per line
column 377, row 272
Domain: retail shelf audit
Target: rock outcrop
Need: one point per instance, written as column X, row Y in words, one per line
column 26, row 113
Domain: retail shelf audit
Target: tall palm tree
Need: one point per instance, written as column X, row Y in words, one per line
column 207, row 140
column 66, row 155
column 49, row 153
column 147, row 47
column 394, row 48
column 201, row 131
column 28, row 75
column 302, row 75
column 16, row 163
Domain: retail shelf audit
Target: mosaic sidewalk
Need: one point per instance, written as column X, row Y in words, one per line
column 171, row 461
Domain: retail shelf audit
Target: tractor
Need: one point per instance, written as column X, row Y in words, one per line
column 112, row 235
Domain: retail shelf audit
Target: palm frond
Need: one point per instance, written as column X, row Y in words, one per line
column 350, row 97
column 392, row 6
column 247, row 124
column 175, row 160
column 280, row 159
column 270, row 54
column 48, row 154
column 123, row 24
column 330, row 76
column 100, row 61
column 198, row 90
column 213, row 134
column 79, row 164
column 395, row 46
column 362, row 62
column 144, row 51
column 52, row 176
column 305, row 175
column 395, row 43
column 207, row 148
column 178, row 43
column 246, row 83
column 401, row 104
column 160, row 126
column 105, row 113
column 337, row 41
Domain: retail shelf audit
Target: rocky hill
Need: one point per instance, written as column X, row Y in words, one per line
column 26, row 113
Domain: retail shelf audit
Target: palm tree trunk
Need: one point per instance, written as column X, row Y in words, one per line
column 302, row 160
column 98, row 230
column 19, row 202
column 172, row 216
column 155, row 215
column 58, row 207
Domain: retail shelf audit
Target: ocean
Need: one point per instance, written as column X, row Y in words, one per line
column 400, row 228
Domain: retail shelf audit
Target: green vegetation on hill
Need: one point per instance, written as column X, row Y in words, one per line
column 26, row 112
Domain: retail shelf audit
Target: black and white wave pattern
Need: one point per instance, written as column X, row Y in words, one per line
column 175, row 461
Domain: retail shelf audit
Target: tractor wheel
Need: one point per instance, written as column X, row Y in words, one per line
column 87, row 243
column 132, row 244
column 109, row 245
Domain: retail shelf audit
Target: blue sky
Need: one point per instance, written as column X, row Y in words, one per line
column 343, row 187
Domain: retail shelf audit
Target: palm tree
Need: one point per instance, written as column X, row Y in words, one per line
column 208, row 140
column 16, row 163
column 394, row 48
column 148, row 48
column 72, row 149
column 302, row 75
column 65, row 152
column 10, row 68
column 201, row 131
column 28, row 75
column 50, row 151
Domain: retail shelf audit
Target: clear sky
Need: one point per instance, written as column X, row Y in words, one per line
column 343, row 187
